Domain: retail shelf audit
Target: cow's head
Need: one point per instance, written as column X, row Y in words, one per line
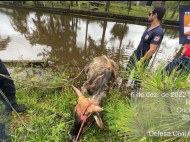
column 93, row 109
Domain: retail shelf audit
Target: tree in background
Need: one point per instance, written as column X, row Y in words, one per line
column 71, row 3
column 173, row 5
column 88, row 5
column 129, row 8
column 4, row 42
column 107, row 5
column 175, row 9
column 22, row 2
column 35, row 3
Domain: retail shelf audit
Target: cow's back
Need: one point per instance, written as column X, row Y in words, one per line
column 100, row 64
column 100, row 71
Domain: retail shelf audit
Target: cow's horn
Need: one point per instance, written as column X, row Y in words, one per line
column 77, row 91
column 98, row 120
column 97, row 109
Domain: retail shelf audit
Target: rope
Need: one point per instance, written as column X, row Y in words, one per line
column 83, row 118
column 79, row 131
column 78, row 74
column 28, row 129
column 1, row 92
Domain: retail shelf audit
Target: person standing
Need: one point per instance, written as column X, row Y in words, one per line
column 8, row 88
column 150, row 40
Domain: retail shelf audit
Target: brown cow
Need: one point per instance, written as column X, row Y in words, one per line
column 101, row 74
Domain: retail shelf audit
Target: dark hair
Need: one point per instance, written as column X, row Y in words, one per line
column 160, row 10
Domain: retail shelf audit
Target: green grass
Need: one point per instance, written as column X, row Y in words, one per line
column 50, row 99
column 50, row 106
column 138, row 11
column 115, row 7
column 160, row 113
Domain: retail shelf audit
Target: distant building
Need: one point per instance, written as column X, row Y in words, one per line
column 150, row 3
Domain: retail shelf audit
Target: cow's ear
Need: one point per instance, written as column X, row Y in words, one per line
column 98, row 120
column 77, row 91
column 97, row 109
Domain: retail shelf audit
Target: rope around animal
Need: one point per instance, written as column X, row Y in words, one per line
column 24, row 124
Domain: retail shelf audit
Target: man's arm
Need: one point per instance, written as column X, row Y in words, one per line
column 148, row 53
column 184, row 47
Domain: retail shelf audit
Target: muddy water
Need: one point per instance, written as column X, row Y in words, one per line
column 36, row 36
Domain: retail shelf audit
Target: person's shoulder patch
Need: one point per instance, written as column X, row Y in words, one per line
column 156, row 38
column 146, row 37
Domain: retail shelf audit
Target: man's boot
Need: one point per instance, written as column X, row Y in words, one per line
column 18, row 108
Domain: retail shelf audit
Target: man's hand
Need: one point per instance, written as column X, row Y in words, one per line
column 140, row 62
column 184, row 48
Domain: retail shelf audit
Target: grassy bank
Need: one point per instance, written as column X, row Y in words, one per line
column 50, row 99
column 116, row 8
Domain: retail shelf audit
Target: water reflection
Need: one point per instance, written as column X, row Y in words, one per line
column 4, row 42
column 37, row 35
